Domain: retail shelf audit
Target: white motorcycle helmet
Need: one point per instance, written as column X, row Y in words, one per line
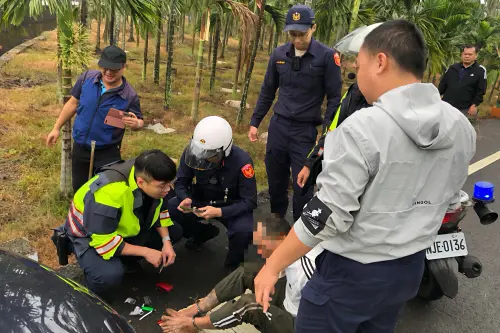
column 211, row 142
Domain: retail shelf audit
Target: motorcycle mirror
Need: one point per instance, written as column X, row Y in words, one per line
column 486, row 215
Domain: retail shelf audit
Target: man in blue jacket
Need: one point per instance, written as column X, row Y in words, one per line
column 215, row 180
column 92, row 96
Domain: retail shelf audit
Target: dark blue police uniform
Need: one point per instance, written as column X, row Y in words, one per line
column 303, row 84
column 230, row 187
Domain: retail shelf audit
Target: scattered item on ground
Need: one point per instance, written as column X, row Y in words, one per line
column 163, row 286
column 159, row 322
column 135, row 289
column 235, row 104
column 137, row 312
column 147, row 301
column 147, row 308
column 263, row 137
column 130, row 300
column 147, row 314
column 160, row 129
column 229, row 90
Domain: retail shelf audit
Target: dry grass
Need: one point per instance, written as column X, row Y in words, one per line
column 29, row 180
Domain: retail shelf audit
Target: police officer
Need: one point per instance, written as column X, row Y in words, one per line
column 352, row 101
column 92, row 96
column 215, row 180
column 120, row 213
column 305, row 71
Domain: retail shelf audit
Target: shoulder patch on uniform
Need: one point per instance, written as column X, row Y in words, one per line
column 248, row 171
column 315, row 215
column 336, row 57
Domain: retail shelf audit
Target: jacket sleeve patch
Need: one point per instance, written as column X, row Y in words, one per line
column 336, row 57
column 315, row 215
column 248, row 171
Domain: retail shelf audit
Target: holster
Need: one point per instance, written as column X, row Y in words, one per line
column 63, row 245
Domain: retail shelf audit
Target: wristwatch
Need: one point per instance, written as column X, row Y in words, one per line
column 166, row 238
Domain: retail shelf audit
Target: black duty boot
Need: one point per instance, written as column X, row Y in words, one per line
column 208, row 232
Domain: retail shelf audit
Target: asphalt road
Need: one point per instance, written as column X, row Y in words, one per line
column 475, row 309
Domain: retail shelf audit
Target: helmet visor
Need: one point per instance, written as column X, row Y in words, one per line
column 198, row 157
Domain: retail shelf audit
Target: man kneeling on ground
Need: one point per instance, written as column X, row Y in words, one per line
column 120, row 214
column 280, row 316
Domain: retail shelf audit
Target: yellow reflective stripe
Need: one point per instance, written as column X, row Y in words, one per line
column 335, row 121
column 166, row 222
column 106, row 245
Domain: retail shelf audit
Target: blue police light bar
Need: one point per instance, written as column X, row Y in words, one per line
column 484, row 191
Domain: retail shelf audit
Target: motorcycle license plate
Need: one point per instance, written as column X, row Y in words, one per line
column 446, row 246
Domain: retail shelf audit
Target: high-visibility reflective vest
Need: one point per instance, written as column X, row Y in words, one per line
column 102, row 212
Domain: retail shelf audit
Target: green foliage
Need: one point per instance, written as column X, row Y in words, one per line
column 76, row 49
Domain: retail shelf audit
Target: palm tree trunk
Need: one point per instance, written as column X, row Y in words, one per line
column 276, row 38
column 156, row 70
column 429, row 76
column 65, row 180
column 262, row 37
column 106, row 28
column 111, row 28
column 138, row 35
column 131, row 34
column 354, row 16
column 216, row 51
column 493, row 86
column 83, row 12
column 204, row 33
column 226, row 36
column 238, row 66
column 251, row 64
column 59, row 67
column 145, row 57
column 210, row 43
column 170, row 57
column 183, row 23
column 99, row 22
column 124, row 32
column 271, row 35
column 194, row 33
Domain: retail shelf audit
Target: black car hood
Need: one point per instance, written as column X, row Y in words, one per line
column 35, row 299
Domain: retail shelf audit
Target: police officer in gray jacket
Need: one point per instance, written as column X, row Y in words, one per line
column 390, row 173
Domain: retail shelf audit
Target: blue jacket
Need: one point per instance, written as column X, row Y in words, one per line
column 301, row 91
column 235, row 177
column 94, row 106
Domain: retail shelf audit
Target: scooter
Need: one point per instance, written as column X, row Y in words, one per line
column 448, row 253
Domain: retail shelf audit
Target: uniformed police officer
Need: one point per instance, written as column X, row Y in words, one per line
column 120, row 213
column 352, row 101
column 305, row 71
column 215, row 180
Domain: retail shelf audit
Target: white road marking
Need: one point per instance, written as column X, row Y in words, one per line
column 484, row 162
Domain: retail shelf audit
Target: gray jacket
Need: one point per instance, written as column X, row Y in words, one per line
column 390, row 172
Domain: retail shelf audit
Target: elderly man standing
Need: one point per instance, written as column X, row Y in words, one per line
column 464, row 84
column 390, row 173
column 305, row 71
column 92, row 96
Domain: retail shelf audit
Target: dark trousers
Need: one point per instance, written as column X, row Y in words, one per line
column 345, row 296
column 288, row 145
column 103, row 276
column 239, row 231
column 246, row 309
column 81, row 162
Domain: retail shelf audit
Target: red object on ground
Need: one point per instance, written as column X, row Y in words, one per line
column 163, row 286
column 159, row 322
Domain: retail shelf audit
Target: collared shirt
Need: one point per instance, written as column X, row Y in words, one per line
column 303, row 84
column 94, row 104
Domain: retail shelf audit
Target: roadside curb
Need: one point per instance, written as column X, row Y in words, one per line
column 9, row 55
